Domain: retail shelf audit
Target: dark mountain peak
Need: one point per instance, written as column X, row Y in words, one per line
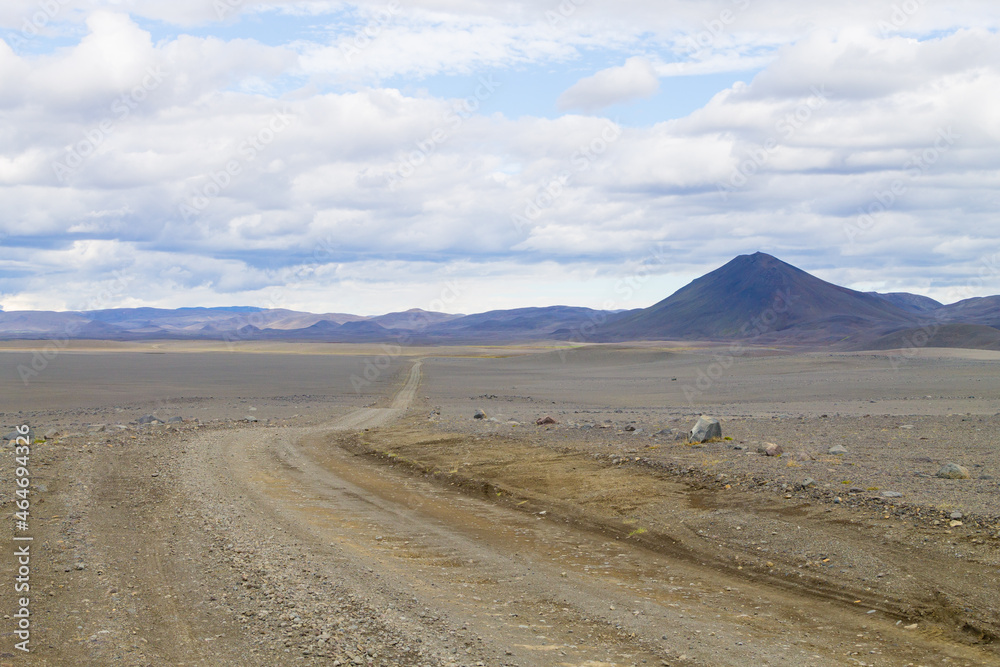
column 759, row 263
column 753, row 295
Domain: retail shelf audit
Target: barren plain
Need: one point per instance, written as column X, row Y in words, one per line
column 332, row 504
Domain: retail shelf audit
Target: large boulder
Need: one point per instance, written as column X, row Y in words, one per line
column 705, row 429
column 953, row 471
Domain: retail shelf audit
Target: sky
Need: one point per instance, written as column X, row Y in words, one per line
column 469, row 155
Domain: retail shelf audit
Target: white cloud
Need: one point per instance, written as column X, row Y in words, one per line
column 635, row 79
column 314, row 202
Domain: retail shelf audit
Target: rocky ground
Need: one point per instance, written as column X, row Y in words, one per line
column 390, row 527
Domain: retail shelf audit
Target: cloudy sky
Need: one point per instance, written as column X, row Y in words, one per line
column 464, row 155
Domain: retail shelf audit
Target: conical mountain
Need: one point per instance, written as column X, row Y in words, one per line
column 756, row 295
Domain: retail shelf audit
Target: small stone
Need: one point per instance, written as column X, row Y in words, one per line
column 954, row 524
column 952, row 471
column 542, row 421
column 892, row 494
column 955, row 515
column 837, row 450
column 479, row 415
column 808, row 483
column 770, row 449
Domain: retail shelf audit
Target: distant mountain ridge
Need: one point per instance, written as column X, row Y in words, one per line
column 760, row 295
column 754, row 297
column 914, row 303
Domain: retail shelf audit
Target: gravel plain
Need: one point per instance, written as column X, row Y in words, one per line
column 284, row 518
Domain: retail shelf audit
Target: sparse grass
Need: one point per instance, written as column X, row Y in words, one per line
column 637, row 531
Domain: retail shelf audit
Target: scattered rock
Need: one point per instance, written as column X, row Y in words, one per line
column 892, row 494
column 804, row 456
column 952, row 471
column 542, row 421
column 479, row 415
column 705, row 429
column 770, row 449
column 837, row 450
column 630, row 428
column 670, row 434
column 955, row 515
column 149, row 419
column 808, row 483
column 175, row 420
column 51, row 433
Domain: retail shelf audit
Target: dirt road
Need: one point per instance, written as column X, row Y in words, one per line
column 253, row 545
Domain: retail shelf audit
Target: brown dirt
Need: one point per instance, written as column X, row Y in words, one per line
column 379, row 536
